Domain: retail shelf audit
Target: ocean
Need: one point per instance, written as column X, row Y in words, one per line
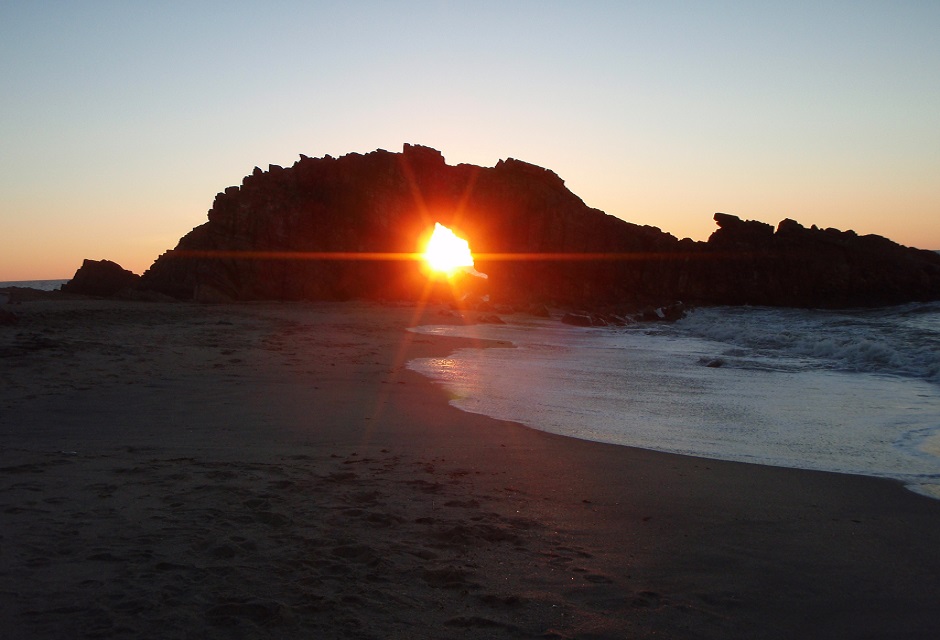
column 42, row 285
column 846, row 391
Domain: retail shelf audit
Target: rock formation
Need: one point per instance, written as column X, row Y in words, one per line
column 296, row 233
column 751, row 263
column 101, row 278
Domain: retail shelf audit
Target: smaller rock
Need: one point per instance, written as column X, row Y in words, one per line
column 673, row 312
column 100, row 278
column 666, row 313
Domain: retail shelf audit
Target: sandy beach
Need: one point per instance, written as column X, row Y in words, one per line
column 172, row 470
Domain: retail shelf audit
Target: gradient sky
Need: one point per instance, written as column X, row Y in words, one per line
column 122, row 120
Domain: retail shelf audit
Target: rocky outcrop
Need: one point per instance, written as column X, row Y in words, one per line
column 334, row 228
column 266, row 238
column 750, row 262
column 101, row 278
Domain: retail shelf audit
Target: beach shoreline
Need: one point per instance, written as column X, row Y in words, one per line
column 272, row 469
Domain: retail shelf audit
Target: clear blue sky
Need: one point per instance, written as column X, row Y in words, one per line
column 122, row 120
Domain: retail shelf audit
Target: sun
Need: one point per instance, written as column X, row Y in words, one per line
column 445, row 252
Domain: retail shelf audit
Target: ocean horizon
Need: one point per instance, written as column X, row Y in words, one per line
column 41, row 285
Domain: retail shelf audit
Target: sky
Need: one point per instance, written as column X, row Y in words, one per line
column 120, row 121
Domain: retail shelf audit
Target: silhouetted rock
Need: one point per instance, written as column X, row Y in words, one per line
column 749, row 263
column 266, row 239
column 100, row 278
column 301, row 233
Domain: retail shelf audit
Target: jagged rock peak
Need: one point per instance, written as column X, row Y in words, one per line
column 420, row 153
column 511, row 164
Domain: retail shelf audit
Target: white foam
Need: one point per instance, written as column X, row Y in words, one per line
column 901, row 340
column 650, row 389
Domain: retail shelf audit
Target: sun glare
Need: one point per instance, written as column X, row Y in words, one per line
column 446, row 252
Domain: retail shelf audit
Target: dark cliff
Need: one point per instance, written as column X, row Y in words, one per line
column 752, row 263
column 266, row 238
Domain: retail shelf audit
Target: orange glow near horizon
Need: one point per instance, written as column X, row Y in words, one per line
column 446, row 252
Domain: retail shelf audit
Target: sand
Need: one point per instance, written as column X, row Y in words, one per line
column 170, row 470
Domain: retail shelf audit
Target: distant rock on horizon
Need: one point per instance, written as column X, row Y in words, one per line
column 262, row 241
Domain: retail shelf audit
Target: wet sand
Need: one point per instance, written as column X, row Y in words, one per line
column 274, row 470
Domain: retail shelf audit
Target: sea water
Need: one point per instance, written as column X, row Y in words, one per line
column 846, row 391
column 42, row 285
